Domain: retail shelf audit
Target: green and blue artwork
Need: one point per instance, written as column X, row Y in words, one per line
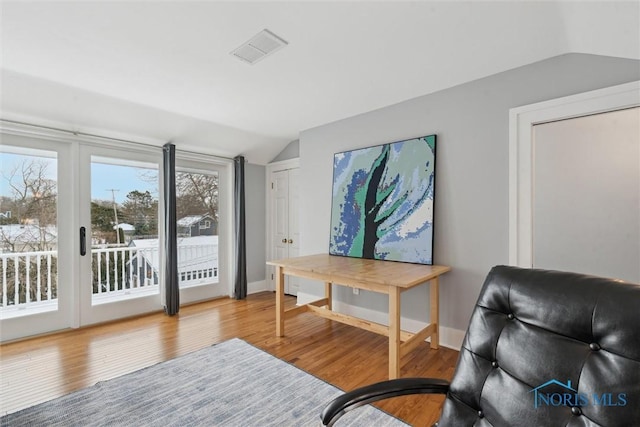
column 383, row 201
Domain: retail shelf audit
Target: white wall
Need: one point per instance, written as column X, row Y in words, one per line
column 471, row 200
column 291, row 151
column 255, row 220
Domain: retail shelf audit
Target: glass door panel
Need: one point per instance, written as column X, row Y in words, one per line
column 123, row 263
column 197, row 226
column 32, row 244
column 201, row 227
column 124, row 229
column 29, row 231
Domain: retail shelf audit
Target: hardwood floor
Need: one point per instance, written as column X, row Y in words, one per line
column 42, row 368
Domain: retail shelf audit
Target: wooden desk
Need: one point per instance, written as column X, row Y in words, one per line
column 386, row 277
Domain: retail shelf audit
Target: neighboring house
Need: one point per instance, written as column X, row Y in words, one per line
column 27, row 238
column 197, row 260
column 197, row 225
column 128, row 230
column 145, row 263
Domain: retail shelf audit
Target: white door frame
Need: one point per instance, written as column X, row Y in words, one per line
column 226, row 267
column 20, row 326
column 521, row 159
column 270, row 168
column 91, row 313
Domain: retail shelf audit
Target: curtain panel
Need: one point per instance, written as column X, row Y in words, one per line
column 240, row 285
column 171, row 288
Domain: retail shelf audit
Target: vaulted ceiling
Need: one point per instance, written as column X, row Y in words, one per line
column 163, row 70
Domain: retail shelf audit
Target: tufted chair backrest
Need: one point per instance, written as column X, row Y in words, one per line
column 548, row 348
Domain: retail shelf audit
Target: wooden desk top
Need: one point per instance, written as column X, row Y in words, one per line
column 339, row 269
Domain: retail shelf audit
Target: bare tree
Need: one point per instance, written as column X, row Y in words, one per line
column 197, row 194
column 32, row 203
column 30, row 227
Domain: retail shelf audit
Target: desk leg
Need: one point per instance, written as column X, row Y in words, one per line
column 394, row 332
column 435, row 312
column 327, row 294
column 279, row 301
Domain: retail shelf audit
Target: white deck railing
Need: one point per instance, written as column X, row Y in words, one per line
column 30, row 278
column 32, row 271
column 118, row 269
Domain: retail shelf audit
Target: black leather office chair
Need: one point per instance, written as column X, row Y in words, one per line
column 543, row 348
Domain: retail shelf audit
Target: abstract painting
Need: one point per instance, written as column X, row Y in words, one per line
column 383, row 201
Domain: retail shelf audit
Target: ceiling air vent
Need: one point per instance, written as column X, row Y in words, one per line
column 260, row 46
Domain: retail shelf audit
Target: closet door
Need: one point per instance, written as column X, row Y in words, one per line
column 586, row 217
column 284, row 228
column 293, row 240
column 280, row 212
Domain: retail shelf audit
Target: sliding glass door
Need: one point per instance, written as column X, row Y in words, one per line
column 121, row 263
column 36, row 245
column 202, row 230
column 81, row 231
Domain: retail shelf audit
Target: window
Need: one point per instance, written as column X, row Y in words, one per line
column 197, row 199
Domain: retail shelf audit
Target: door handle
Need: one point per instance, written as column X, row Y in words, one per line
column 284, row 240
column 83, row 241
column 290, row 241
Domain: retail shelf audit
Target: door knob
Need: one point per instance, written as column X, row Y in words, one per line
column 290, row 241
column 284, row 240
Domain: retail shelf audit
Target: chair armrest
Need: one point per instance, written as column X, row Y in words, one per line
column 380, row 391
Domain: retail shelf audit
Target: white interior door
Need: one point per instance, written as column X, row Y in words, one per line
column 586, row 215
column 293, row 283
column 284, row 227
column 280, row 210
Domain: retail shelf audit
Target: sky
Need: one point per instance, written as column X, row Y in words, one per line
column 10, row 168
column 104, row 177
column 122, row 178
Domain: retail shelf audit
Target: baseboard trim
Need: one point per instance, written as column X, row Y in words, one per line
column 449, row 337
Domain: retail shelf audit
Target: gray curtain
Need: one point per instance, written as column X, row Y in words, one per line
column 172, row 291
column 240, row 288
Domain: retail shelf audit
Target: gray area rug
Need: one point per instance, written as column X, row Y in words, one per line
column 228, row 384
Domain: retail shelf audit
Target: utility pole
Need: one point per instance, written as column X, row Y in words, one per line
column 115, row 212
